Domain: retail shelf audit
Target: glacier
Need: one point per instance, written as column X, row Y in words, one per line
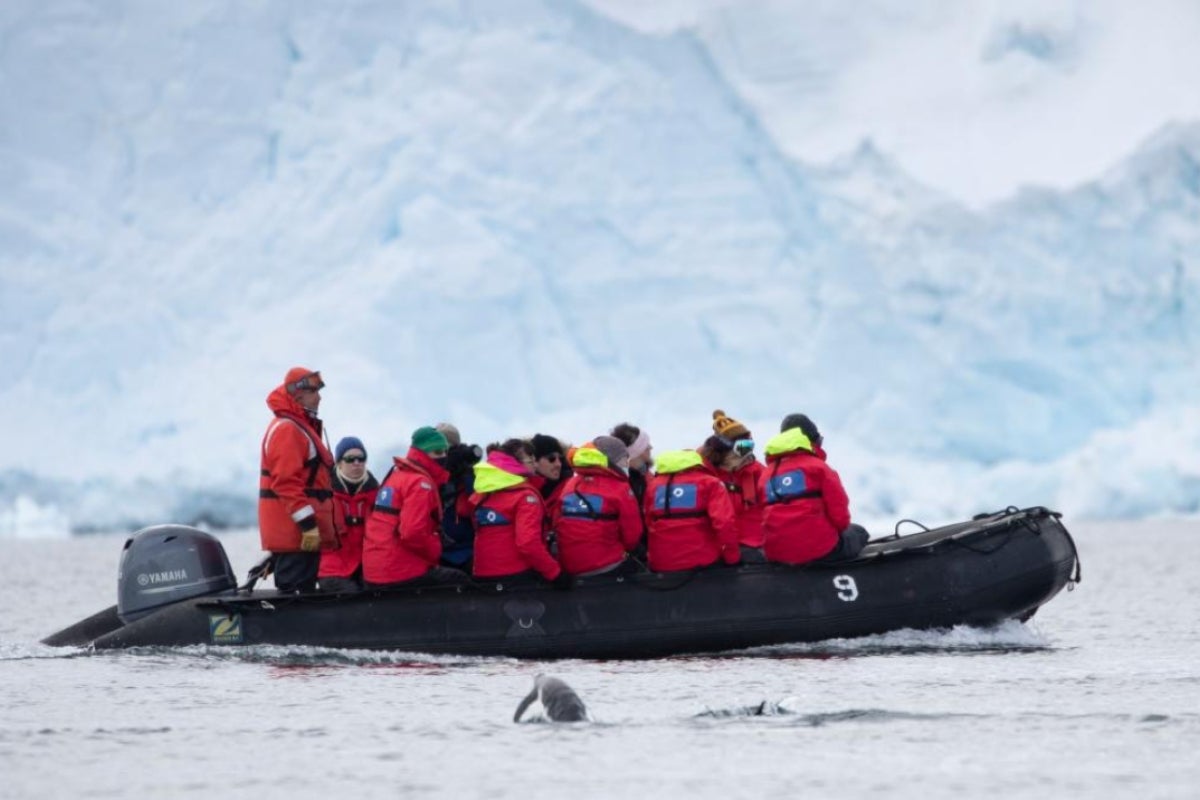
column 542, row 216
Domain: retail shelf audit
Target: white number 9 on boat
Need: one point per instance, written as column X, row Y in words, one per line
column 847, row 588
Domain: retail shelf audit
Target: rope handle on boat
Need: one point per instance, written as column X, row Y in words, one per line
column 984, row 551
column 1026, row 522
column 1030, row 523
column 1077, row 576
column 896, row 530
column 1034, row 526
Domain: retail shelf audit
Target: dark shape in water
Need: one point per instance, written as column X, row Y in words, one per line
column 559, row 701
column 764, row 709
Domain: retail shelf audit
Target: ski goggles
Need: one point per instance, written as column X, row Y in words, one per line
column 312, row 381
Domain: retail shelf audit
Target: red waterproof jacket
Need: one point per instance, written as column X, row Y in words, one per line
column 743, row 487
column 355, row 503
column 806, row 506
column 404, row 534
column 294, row 487
column 597, row 518
column 509, row 531
column 539, row 482
column 691, row 520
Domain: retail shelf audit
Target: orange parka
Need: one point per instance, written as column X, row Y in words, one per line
column 294, row 484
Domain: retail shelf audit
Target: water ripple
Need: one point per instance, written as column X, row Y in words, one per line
column 306, row 656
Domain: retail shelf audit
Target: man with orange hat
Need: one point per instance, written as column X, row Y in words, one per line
column 296, row 514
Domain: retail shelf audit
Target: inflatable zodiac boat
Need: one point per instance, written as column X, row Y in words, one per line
column 176, row 587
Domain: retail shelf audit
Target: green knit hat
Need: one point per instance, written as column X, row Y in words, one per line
column 429, row 440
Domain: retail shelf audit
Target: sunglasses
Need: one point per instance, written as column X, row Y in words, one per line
column 743, row 447
column 312, row 382
column 354, row 459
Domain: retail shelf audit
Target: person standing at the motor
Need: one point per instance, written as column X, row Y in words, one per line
column 296, row 513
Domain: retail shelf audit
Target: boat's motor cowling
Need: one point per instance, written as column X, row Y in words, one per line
column 168, row 563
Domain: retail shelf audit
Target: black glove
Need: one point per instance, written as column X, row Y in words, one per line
column 564, row 581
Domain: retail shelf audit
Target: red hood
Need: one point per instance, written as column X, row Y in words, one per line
column 502, row 460
column 283, row 404
column 816, row 451
column 609, row 471
column 280, row 402
column 714, row 470
column 421, row 460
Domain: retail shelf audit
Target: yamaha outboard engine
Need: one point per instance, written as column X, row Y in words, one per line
column 168, row 563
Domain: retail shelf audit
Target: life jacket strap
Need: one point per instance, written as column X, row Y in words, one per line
column 591, row 513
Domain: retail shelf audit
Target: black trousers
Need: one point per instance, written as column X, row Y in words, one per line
column 529, row 577
column 752, row 555
column 626, row 566
column 297, row 572
column 850, row 544
column 334, row 585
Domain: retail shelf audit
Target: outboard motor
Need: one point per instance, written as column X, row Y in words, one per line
column 164, row 564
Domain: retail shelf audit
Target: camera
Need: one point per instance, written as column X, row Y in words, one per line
column 461, row 457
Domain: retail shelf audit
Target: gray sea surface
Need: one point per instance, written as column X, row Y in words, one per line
column 1097, row 696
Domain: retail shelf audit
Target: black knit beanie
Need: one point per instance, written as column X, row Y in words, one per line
column 545, row 445
column 806, row 426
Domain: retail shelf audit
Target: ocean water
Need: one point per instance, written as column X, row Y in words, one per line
column 1097, row 696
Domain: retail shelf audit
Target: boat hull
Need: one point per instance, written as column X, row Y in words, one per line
column 980, row 573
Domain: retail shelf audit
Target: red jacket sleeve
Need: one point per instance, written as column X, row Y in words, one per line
column 837, row 504
column 419, row 521
column 383, row 520
column 648, row 503
column 749, row 480
column 463, row 505
column 629, row 519
column 284, row 458
column 531, row 544
column 554, row 510
column 724, row 521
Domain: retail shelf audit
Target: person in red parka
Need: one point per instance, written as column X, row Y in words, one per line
column 729, row 452
column 550, row 468
column 354, row 490
column 691, row 520
column 510, row 536
column 807, row 513
column 597, row 518
column 403, row 540
column 641, row 458
column 297, row 517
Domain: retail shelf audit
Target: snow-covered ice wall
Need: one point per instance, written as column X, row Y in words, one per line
column 528, row 216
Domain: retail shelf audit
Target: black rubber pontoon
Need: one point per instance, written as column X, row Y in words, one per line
column 981, row 572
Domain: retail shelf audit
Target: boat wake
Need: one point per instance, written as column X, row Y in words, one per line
column 273, row 655
column 24, row 651
column 1010, row 636
column 307, row 656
